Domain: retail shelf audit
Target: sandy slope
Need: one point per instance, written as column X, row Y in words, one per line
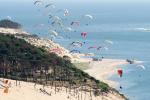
column 12, row 31
column 27, row 91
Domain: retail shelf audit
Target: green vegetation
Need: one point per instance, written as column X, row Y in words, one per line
column 22, row 61
column 9, row 24
column 82, row 65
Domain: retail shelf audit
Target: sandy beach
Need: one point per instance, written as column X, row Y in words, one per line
column 102, row 70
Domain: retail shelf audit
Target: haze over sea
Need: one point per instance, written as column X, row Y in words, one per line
column 127, row 24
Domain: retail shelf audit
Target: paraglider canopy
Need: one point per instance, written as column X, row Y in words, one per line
column 88, row 16
column 120, row 72
column 38, row 2
column 76, row 43
column 92, row 47
column 84, row 34
column 75, row 23
column 75, row 51
column 68, row 29
column 142, row 66
column 56, row 21
column 109, row 41
column 50, row 5
column 66, row 12
column 52, row 32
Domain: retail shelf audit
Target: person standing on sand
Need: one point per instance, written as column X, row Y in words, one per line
column 7, row 85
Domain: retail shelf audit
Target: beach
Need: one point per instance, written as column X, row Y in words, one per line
column 102, row 70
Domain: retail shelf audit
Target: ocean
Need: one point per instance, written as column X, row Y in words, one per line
column 126, row 24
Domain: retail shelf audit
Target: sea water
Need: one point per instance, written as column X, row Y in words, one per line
column 121, row 23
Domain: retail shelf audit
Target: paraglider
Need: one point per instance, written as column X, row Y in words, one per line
column 75, row 23
column 88, row 16
column 99, row 47
column 92, row 47
column 76, row 43
column 37, row 2
column 50, row 16
column 120, row 72
column 75, row 51
column 66, row 12
column 68, row 29
column 84, row 34
column 50, row 5
column 56, row 18
column 106, row 48
column 109, row 41
column 52, row 32
column 56, row 21
column 142, row 66
column 87, row 19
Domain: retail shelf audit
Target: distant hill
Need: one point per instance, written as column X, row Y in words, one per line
column 5, row 23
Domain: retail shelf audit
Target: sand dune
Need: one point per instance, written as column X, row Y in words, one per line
column 26, row 91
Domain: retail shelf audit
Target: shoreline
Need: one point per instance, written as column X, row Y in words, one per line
column 103, row 70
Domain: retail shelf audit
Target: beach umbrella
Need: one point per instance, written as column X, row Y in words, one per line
column 120, row 72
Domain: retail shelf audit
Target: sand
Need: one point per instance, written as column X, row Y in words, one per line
column 104, row 69
column 27, row 91
column 12, row 31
